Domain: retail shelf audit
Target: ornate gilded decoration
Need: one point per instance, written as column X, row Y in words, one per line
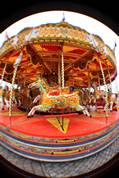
column 42, row 47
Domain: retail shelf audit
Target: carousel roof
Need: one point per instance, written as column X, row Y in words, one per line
column 42, row 46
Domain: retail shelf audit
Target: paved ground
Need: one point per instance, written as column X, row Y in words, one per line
column 67, row 169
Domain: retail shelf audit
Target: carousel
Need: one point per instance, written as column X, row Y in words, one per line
column 60, row 106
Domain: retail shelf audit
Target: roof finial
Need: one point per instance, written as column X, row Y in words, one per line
column 115, row 44
column 63, row 18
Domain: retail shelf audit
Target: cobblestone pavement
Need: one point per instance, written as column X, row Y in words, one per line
column 62, row 170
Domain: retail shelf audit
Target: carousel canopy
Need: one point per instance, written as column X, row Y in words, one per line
column 42, row 48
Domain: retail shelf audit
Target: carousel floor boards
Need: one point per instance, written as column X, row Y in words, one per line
column 58, row 126
column 57, row 138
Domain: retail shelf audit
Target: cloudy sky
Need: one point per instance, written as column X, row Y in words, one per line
column 91, row 25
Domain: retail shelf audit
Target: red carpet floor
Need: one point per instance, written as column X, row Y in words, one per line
column 49, row 126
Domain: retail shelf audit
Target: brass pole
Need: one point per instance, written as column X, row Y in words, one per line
column 18, row 60
column 14, row 74
column 104, row 81
column 110, row 78
column 59, row 74
column 89, row 84
column 11, row 91
column 91, row 38
column 3, row 73
column 99, row 81
column 62, row 68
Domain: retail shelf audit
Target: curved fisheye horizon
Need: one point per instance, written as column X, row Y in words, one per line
column 85, row 22
column 80, row 20
column 59, row 95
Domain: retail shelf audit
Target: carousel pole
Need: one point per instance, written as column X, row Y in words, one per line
column 17, row 62
column 89, row 83
column 62, row 80
column 99, row 81
column 13, row 79
column 105, row 85
column 92, row 40
column 3, row 73
column 116, row 81
column 62, row 60
column 110, row 79
column 11, row 92
column 59, row 74
column 62, row 69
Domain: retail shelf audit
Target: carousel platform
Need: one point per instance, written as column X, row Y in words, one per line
column 57, row 138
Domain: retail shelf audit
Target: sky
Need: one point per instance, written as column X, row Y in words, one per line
column 91, row 25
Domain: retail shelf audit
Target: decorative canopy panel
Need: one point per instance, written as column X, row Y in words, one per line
column 42, row 48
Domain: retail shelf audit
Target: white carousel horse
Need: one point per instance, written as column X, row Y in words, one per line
column 109, row 102
column 112, row 100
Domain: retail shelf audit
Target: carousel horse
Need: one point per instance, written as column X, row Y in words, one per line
column 17, row 97
column 92, row 106
column 5, row 98
column 112, row 101
column 24, row 98
column 101, row 99
column 117, row 101
column 53, row 98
